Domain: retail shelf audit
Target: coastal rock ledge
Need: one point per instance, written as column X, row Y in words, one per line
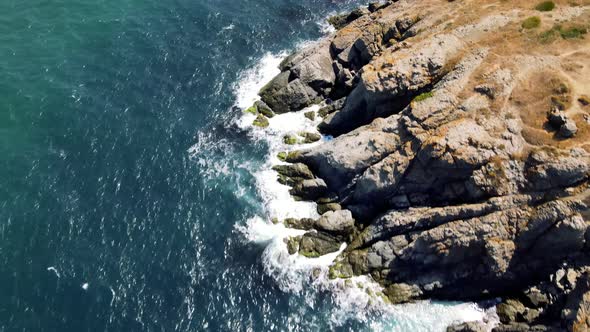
column 459, row 168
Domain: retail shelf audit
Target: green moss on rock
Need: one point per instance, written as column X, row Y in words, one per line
column 260, row 121
column 310, row 115
column 251, row 110
column 424, row 96
column 310, row 137
column 293, row 156
column 282, row 156
column 290, row 139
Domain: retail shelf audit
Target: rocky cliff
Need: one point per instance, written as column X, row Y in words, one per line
column 460, row 163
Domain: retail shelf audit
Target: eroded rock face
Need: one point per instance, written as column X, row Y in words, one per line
column 460, row 164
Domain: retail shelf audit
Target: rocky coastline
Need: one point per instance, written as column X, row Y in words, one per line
column 460, row 160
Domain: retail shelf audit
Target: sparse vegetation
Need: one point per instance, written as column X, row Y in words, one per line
column 572, row 32
column 531, row 22
column 424, row 96
column 545, row 6
column 282, row 156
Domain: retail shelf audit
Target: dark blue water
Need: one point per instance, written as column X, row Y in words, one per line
column 106, row 221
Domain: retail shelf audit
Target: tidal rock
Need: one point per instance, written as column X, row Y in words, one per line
column 510, row 311
column 467, row 327
column 263, row 109
column 297, row 170
column 325, row 207
column 315, row 244
column 260, row 121
column 285, row 96
column 293, row 244
column 338, row 222
column 402, row 293
column 310, row 189
column 303, row 223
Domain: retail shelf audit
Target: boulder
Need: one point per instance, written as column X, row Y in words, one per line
column 315, row 244
column 510, row 311
column 338, row 222
column 325, row 207
column 310, row 189
column 283, row 95
column 297, row 170
column 568, row 129
column 468, row 327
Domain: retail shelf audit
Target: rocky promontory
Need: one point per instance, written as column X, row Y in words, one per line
column 460, row 160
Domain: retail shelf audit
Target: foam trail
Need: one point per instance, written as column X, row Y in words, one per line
column 356, row 298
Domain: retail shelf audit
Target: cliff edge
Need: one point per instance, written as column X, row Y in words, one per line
column 459, row 168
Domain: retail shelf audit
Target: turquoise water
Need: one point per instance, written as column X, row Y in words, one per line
column 126, row 181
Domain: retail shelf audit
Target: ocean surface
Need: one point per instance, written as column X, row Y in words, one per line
column 134, row 194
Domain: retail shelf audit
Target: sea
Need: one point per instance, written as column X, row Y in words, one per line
column 135, row 195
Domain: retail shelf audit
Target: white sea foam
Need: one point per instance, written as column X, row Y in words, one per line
column 252, row 80
column 358, row 297
column 51, row 268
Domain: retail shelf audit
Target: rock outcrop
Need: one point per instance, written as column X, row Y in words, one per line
column 461, row 159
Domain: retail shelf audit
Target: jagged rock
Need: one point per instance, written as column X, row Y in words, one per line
column 536, row 297
column 310, row 115
column 293, row 244
column 315, row 244
column 341, row 159
column 261, row 121
column 331, row 108
column 401, row 293
column 340, row 21
column 452, row 185
column 284, row 96
column 467, row 327
column 557, row 118
column 310, row 189
column 297, row 170
column 303, row 223
column 263, row 109
column 568, row 129
column 338, row 222
column 325, row 207
column 510, row 311
column 522, row 327
column 310, row 137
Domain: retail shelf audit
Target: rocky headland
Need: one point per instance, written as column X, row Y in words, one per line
column 460, row 163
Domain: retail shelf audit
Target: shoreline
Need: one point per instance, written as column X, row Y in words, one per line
column 357, row 298
column 438, row 169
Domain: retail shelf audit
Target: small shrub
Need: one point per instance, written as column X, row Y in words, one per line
column 565, row 33
column 573, row 32
column 423, row 96
column 531, row 22
column 545, row 6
